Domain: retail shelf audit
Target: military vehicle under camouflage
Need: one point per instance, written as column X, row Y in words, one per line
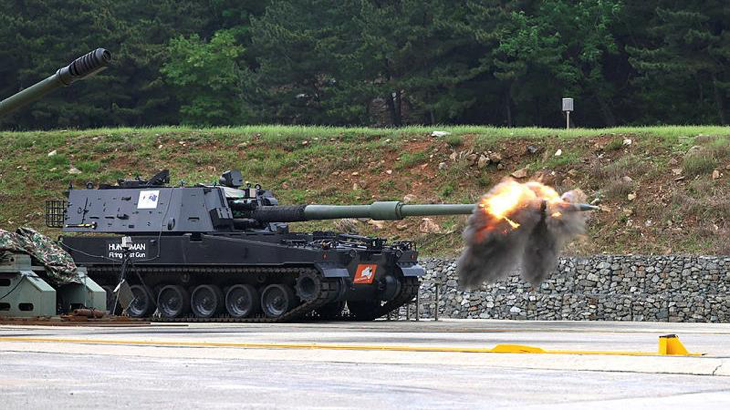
column 60, row 268
column 38, row 278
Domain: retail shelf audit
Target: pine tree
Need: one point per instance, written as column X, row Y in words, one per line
column 420, row 55
column 689, row 57
column 296, row 77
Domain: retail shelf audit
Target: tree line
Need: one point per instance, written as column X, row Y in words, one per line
column 372, row 62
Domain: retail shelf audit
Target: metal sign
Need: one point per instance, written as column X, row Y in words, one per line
column 567, row 104
column 567, row 108
column 123, row 294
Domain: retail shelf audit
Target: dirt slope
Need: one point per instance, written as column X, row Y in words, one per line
column 661, row 190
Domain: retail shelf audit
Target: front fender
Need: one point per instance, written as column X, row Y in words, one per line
column 332, row 270
column 411, row 269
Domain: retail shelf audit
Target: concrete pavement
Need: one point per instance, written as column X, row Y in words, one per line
column 204, row 365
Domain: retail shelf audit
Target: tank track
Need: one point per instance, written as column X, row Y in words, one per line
column 328, row 290
column 305, row 311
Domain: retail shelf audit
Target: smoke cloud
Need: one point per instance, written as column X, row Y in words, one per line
column 518, row 225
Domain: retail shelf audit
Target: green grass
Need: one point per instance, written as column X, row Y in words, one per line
column 447, row 190
column 288, row 133
column 628, row 165
column 408, row 160
column 565, row 159
column 619, row 189
column 699, row 163
column 615, row 144
column 704, row 158
column 454, row 141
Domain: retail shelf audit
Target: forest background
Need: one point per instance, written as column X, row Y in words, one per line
column 371, row 62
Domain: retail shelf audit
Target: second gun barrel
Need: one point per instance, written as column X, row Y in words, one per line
column 84, row 66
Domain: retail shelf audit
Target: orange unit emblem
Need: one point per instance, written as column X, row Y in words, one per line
column 365, row 274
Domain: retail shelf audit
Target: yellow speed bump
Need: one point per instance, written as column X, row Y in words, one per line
column 668, row 345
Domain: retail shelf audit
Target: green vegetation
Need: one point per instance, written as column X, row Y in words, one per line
column 703, row 159
column 454, row 141
column 205, row 77
column 627, row 165
column 287, row 134
column 615, row 144
column 619, row 189
column 408, row 160
column 699, row 163
column 447, row 190
column 372, row 63
column 564, row 159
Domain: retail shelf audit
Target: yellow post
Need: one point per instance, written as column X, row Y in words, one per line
column 669, row 345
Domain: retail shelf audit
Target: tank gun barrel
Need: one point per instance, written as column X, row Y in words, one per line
column 84, row 66
column 570, row 207
column 382, row 210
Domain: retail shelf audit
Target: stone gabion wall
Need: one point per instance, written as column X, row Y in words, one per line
column 602, row 287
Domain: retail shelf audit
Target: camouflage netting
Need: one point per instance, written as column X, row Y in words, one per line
column 60, row 268
column 9, row 243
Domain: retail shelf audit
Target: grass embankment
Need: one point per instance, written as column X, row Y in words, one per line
column 659, row 193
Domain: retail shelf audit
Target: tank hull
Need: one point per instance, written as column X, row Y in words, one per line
column 372, row 278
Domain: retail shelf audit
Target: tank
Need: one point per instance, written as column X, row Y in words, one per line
column 84, row 66
column 224, row 252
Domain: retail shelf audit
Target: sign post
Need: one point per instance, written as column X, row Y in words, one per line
column 567, row 108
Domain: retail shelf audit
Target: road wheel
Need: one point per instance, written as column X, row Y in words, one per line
column 206, row 301
column 173, row 301
column 242, row 301
column 308, row 286
column 276, row 300
column 143, row 303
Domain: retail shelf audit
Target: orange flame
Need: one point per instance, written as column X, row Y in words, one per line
column 544, row 192
column 509, row 196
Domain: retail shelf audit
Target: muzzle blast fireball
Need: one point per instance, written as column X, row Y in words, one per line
column 519, row 225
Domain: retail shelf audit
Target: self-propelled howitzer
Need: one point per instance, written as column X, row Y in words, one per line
column 224, row 252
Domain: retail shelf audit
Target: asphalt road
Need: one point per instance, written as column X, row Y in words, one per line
column 265, row 366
